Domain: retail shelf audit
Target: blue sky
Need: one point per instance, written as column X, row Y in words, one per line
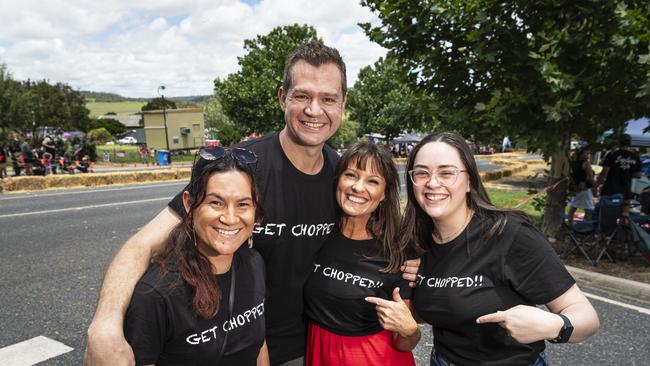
column 130, row 47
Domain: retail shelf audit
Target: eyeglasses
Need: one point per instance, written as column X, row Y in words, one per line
column 215, row 153
column 444, row 176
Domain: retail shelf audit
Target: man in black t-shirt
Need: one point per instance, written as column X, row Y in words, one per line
column 295, row 170
column 619, row 167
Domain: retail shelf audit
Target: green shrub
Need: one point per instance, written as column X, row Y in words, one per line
column 100, row 134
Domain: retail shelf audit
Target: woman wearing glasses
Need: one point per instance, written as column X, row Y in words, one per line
column 355, row 298
column 201, row 302
column 484, row 268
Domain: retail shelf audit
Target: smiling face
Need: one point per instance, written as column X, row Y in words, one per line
column 314, row 104
column 443, row 204
column 226, row 217
column 359, row 191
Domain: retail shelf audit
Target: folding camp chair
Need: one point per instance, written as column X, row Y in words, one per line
column 580, row 229
column 599, row 232
column 610, row 212
column 641, row 239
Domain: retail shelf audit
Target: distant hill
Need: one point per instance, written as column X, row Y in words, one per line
column 92, row 96
column 198, row 99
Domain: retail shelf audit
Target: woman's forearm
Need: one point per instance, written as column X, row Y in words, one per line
column 106, row 343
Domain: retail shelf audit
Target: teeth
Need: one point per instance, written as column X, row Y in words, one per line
column 314, row 125
column 227, row 232
column 357, row 199
column 436, row 197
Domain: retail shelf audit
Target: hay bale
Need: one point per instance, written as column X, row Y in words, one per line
column 63, row 181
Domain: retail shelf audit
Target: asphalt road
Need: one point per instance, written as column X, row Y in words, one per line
column 56, row 245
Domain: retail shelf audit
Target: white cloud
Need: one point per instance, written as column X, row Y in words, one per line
column 131, row 47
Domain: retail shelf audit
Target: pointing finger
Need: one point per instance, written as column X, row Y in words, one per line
column 377, row 301
column 497, row 317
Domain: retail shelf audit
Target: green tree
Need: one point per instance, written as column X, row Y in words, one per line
column 10, row 96
column 24, row 106
column 213, row 114
column 111, row 125
column 249, row 96
column 229, row 134
column 100, row 134
column 540, row 71
column 55, row 105
column 346, row 135
column 384, row 100
column 156, row 104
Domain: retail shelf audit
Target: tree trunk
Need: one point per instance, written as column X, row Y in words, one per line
column 556, row 195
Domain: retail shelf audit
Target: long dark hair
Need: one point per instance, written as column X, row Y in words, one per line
column 417, row 226
column 180, row 252
column 384, row 221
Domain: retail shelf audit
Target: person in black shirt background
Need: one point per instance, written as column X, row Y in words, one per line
column 361, row 260
column 202, row 300
column 484, row 268
column 619, row 167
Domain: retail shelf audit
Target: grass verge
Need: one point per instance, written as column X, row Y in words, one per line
column 514, row 199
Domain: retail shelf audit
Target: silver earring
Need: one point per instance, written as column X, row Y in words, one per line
column 250, row 241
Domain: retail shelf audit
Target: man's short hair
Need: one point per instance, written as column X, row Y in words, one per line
column 314, row 53
column 625, row 140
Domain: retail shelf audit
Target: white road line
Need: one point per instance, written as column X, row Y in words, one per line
column 121, row 188
column 84, row 207
column 32, row 351
column 621, row 304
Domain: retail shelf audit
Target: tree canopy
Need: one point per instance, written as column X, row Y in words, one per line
column 249, row 96
column 27, row 105
column 111, row 125
column 158, row 104
column 385, row 101
column 346, row 135
column 213, row 114
column 540, row 71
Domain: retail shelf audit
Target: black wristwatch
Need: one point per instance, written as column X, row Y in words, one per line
column 565, row 332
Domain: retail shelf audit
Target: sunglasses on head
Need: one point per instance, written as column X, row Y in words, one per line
column 215, row 153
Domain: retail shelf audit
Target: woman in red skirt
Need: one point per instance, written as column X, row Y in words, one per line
column 357, row 303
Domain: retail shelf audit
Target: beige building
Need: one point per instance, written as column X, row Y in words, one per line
column 184, row 128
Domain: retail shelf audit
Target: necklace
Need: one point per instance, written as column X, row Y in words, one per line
column 444, row 239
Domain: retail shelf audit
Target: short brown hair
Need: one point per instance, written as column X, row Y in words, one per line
column 314, row 53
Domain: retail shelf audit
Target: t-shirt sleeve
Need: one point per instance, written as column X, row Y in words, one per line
column 533, row 268
column 405, row 291
column 176, row 204
column 609, row 160
column 145, row 324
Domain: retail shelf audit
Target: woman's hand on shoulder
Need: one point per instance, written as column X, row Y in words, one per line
column 410, row 270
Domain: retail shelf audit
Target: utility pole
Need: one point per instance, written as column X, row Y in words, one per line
column 162, row 87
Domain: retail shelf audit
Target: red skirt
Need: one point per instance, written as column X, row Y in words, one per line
column 325, row 348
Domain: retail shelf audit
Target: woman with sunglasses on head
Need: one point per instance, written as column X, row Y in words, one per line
column 356, row 300
column 201, row 302
column 484, row 268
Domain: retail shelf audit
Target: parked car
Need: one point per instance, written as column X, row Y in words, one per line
column 128, row 140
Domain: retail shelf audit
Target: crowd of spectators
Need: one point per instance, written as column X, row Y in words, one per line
column 43, row 156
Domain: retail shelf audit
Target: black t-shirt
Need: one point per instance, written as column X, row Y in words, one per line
column 161, row 327
column 299, row 213
column 469, row 277
column 622, row 165
column 344, row 273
